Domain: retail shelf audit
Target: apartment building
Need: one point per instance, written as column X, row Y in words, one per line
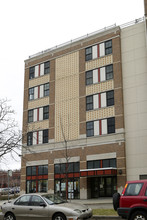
column 84, row 117
column 73, row 119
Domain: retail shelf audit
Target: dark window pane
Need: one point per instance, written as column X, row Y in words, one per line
column 45, row 112
column 89, row 164
column 30, row 116
column 109, row 72
column 105, row 163
column 89, row 77
column 31, row 72
column 89, row 102
column 70, row 167
column 111, row 125
column 33, row 171
column 76, row 167
column 57, row 168
column 46, row 89
column 30, row 138
column 88, row 53
column 45, row 136
column 31, row 93
column 29, row 171
column 110, row 98
column 63, row 168
column 113, row 163
column 96, row 164
column 108, row 47
column 46, row 67
column 90, row 128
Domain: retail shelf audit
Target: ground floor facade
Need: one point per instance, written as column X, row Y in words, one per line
column 76, row 172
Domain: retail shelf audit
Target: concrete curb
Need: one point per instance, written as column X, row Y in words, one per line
column 105, row 217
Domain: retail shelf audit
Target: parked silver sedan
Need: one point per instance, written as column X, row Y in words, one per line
column 43, row 207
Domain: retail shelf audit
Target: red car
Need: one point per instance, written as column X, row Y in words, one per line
column 132, row 203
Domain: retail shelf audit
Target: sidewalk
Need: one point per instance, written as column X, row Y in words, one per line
column 100, row 203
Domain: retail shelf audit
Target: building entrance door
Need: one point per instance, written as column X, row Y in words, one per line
column 103, row 186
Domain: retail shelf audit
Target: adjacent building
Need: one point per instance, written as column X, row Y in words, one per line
column 85, row 111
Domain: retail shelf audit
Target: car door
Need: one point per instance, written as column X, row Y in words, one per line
column 21, row 207
column 38, row 209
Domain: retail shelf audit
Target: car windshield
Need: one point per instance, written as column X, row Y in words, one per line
column 52, row 199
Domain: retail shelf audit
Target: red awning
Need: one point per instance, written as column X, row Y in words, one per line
column 98, row 172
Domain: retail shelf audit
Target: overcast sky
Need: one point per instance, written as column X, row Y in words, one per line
column 30, row 26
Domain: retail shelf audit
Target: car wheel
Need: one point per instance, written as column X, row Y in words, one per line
column 9, row 216
column 59, row 216
column 139, row 215
column 116, row 197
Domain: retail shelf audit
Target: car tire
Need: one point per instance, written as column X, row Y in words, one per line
column 139, row 215
column 116, row 197
column 59, row 216
column 9, row 216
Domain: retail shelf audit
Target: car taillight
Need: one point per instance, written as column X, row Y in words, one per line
column 123, row 192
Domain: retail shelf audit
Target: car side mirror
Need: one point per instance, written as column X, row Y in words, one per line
column 42, row 204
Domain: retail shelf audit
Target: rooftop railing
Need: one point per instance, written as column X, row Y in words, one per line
column 88, row 35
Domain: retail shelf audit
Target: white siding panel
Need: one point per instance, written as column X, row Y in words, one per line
column 94, row 52
column 40, row 137
column 102, row 74
column 103, row 100
column 96, row 128
column 40, row 114
column 42, row 69
column 104, row 126
column 41, row 91
column 102, row 49
column 95, row 101
column 36, row 71
column 35, row 114
column 34, row 138
column 95, row 76
column 36, row 93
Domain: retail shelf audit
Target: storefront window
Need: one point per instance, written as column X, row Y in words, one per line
column 42, row 186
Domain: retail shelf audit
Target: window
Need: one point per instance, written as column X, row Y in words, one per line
column 109, row 72
column 110, row 98
column 93, row 164
column 89, row 102
column 88, row 53
column 70, row 167
column 89, row 77
column 45, row 136
column 30, row 116
column 45, row 112
column 31, row 93
column 111, row 125
column 42, row 185
column 76, row 167
column 30, row 138
column 90, row 128
column 108, row 47
column 29, row 171
column 46, row 89
column 57, row 168
column 36, row 201
column 46, row 67
column 23, row 200
column 133, row 189
column 43, row 170
column 31, row 72
column 63, row 168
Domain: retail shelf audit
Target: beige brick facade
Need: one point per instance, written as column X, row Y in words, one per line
column 67, row 109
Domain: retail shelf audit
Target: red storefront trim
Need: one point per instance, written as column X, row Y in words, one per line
column 98, row 172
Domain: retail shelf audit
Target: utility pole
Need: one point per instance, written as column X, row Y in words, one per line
column 9, row 174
